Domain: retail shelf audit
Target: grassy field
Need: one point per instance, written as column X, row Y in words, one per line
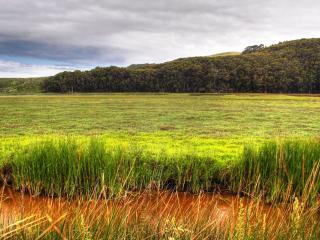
column 174, row 115
column 262, row 146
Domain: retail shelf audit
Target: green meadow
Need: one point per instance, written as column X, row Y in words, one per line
column 172, row 115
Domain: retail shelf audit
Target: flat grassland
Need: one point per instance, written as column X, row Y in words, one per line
column 174, row 115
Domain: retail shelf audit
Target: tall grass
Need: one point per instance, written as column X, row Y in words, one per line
column 280, row 169
column 67, row 167
column 276, row 169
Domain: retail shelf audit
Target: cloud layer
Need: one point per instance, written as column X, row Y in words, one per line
column 82, row 33
column 13, row 69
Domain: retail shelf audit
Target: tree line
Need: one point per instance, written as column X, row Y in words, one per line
column 288, row 67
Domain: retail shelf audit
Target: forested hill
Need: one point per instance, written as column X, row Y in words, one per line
column 288, row 67
column 21, row 85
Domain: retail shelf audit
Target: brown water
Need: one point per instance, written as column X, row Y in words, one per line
column 150, row 205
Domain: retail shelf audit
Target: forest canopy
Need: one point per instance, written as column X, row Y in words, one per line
column 287, row 67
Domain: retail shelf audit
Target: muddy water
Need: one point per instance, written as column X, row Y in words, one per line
column 150, row 206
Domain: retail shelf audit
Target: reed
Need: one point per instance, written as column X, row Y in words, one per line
column 280, row 169
column 67, row 167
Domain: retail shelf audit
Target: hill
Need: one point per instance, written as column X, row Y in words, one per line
column 224, row 54
column 21, row 85
column 287, row 67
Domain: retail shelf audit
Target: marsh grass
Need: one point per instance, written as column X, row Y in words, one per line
column 67, row 167
column 280, row 169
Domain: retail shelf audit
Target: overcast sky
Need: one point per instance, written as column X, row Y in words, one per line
column 43, row 37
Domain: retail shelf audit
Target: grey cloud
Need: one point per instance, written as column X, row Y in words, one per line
column 124, row 31
column 56, row 52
